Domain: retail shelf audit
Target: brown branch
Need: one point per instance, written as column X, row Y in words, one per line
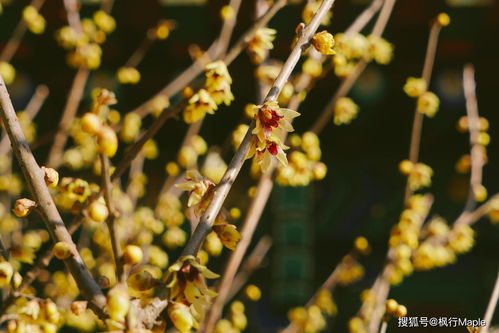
column 12, row 45
column 34, row 176
column 417, row 125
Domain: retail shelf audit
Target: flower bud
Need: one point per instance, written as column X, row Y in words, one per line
column 78, row 307
column 252, row 292
column 324, row 42
column 405, row 167
column 6, row 272
column 118, row 303
column 97, row 211
column 181, row 317
column 401, row 311
column 174, row 237
column 213, row 245
column 51, row 177
column 141, row 281
column 414, row 86
column 391, row 306
column 443, row 19
column 107, row 141
column 22, row 207
column 132, row 254
column 91, row 123
column 62, row 250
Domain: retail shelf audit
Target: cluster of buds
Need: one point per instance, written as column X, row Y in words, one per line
column 72, row 193
column 441, row 244
column 350, row 48
column 84, row 46
column 260, row 45
column 479, row 143
column 345, row 110
column 272, row 124
column 350, row 271
column 128, row 75
column 427, row 102
column 94, row 122
column 188, row 293
column 34, row 315
column 404, row 238
column 35, row 22
column 418, row 174
column 24, row 246
column 313, row 318
column 189, row 153
column 216, row 91
column 393, row 308
column 304, row 163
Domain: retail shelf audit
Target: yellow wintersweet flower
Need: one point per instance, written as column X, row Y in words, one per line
column 380, row 49
column 260, row 44
column 218, row 82
column 197, row 185
column 128, row 75
column 428, row 103
column 8, row 72
column 345, row 111
column 324, row 42
column 199, row 105
column 270, row 117
column 420, row 176
column 415, row 86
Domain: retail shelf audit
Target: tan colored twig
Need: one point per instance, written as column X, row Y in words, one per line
column 12, row 45
column 477, row 151
column 116, row 246
column 71, row 108
column 417, row 125
column 349, row 81
column 252, row 263
column 34, row 176
column 491, row 307
column 249, row 225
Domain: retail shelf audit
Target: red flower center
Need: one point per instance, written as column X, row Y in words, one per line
column 269, row 117
column 272, row 148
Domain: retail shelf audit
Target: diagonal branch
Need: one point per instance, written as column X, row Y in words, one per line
column 34, row 176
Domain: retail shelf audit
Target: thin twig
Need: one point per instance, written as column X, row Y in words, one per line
column 249, row 225
column 417, row 125
column 34, row 176
column 477, row 157
column 71, row 108
column 489, row 313
column 12, row 45
column 252, row 263
column 116, row 246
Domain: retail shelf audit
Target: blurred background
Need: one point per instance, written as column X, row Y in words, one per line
column 313, row 227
